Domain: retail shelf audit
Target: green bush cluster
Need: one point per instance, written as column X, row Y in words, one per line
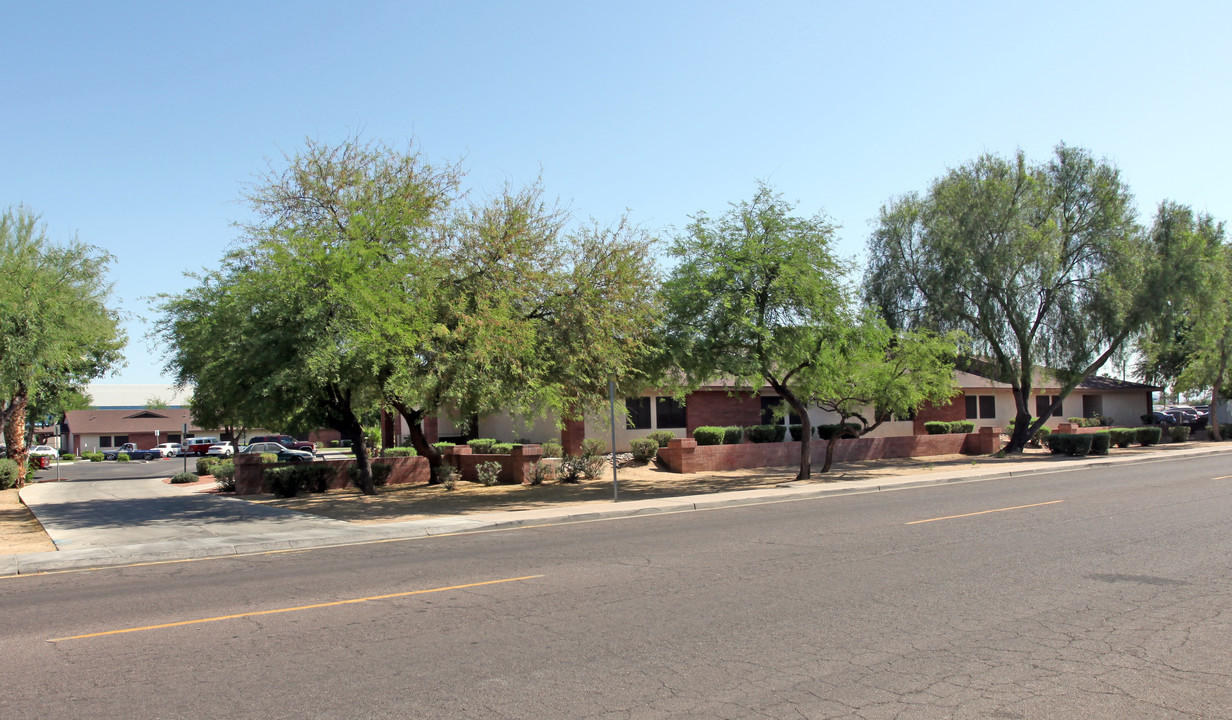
column 204, row 464
column 662, row 437
column 183, row 477
column 1093, row 421
column 644, row 449
column 68, row 456
column 400, row 452
column 92, row 456
column 1100, row 442
column 446, row 475
column 502, row 449
column 268, row 458
column 1122, row 437
column 1074, row 444
column 542, row 472
column 488, row 472
column 1179, row 433
column 440, row 446
column 8, row 473
column 937, row 427
column 291, row 480
column 122, row 457
column 224, row 472
column 380, row 474
column 553, row 449
column 592, row 447
column 842, row 430
column 962, row 426
column 1147, row 436
column 765, row 433
column 797, row 432
column 732, row 435
column 481, row 446
column 709, row 435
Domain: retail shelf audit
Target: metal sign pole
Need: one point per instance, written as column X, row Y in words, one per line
column 611, row 389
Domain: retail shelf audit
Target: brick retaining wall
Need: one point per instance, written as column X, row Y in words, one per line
column 248, row 469
column 683, row 455
column 515, row 467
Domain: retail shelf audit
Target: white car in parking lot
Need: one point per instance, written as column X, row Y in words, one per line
column 220, row 450
column 168, row 450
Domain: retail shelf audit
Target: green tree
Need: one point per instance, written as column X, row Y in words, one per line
column 155, row 402
column 56, row 331
column 868, row 373
column 755, row 297
column 1043, row 266
column 1188, row 345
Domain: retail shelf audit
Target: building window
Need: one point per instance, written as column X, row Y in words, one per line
column 1043, row 402
column 981, row 406
column 669, row 413
column 104, row 441
column 638, row 409
column 173, row 438
column 768, row 404
column 121, row 440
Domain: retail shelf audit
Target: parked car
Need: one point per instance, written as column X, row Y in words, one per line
column 287, row 442
column 168, row 450
column 151, row 454
column 126, row 448
column 43, row 450
column 220, row 450
column 284, row 454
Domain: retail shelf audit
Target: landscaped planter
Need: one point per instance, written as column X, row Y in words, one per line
column 248, row 468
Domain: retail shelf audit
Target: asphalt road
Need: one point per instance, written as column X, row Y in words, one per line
column 111, row 470
column 1092, row 594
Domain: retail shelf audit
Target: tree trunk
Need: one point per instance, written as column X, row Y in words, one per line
column 15, row 434
column 1212, row 418
column 355, row 429
column 419, row 441
column 1023, row 429
column 830, row 452
column 806, row 429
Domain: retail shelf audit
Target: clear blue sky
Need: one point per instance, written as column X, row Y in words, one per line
column 134, row 125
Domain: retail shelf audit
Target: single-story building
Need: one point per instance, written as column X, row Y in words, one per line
column 96, row 430
column 985, row 402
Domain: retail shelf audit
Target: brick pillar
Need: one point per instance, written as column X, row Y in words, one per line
column 431, row 429
column 1067, row 427
column 387, row 428
column 572, row 435
column 678, row 455
column 248, row 474
column 524, row 458
column 989, row 440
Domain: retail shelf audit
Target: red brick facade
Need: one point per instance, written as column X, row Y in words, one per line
column 515, row 467
column 956, row 410
column 572, row 435
column 716, row 407
column 683, row 455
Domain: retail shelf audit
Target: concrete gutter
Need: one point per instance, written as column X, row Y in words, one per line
column 349, row 534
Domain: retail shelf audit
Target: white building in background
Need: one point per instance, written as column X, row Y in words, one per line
column 105, row 396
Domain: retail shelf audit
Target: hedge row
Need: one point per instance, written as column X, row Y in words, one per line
column 940, row 427
column 1099, row 442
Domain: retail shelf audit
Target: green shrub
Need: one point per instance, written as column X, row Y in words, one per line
column 937, row 427
column 93, row 456
column 333, row 443
column 488, row 472
column 797, row 432
column 962, row 426
column 1074, row 444
column 268, row 458
column 400, row 452
column 709, row 435
column 68, row 456
column 1179, row 433
column 1100, row 442
column 765, row 433
column 1121, row 437
column 592, row 447
column 732, row 435
column 204, row 464
column 570, row 470
column 184, row 477
column 282, row 481
column 552, row 449
column 122, row 457
column 224, row 472
column 446, row 475
column 542, row 472
column 502, row 449
column 8, row 473
column 660, row 436
column 1147, row 436
column 481, row 446
column 825, row 432
column 440, row 446
column 644, row 449
column 1041, row 435
column 1079, row 421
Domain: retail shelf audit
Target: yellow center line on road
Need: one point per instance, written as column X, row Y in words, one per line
column 295, row 609
column 984, row 512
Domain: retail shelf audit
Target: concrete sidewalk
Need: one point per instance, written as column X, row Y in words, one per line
column 130, row 521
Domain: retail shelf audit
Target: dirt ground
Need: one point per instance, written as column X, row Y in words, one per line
column 19, row 531
column 414, row 502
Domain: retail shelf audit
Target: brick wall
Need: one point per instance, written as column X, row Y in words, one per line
column 716, row 407
column 248, row 469
column 956, row 410
column 572, row 435
column 515, row 467
column 683, row 455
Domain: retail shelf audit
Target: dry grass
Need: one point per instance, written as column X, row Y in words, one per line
column 19, row 531
column 419, row 501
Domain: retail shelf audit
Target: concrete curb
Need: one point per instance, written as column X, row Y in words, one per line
column 222, row 547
